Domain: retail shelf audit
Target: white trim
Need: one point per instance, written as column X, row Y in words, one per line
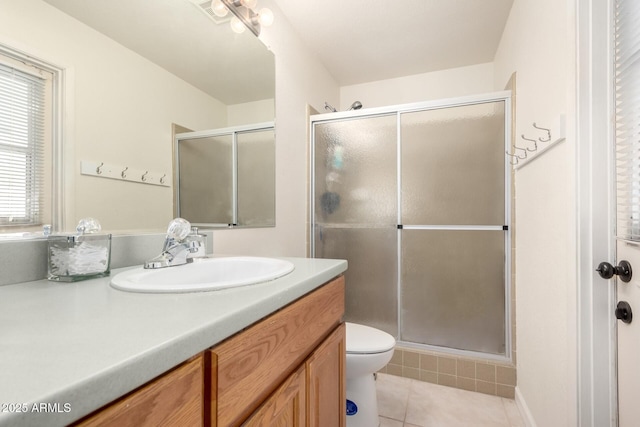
column 65, row 157
column 525, row 413
column 597, row 401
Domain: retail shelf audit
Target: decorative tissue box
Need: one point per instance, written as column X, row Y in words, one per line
column 79, row 257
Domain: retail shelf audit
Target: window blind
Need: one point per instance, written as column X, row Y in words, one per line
column 22, row 121
column 627, row 117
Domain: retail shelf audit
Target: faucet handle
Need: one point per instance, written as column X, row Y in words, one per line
column 178, row 229
column 174, row 251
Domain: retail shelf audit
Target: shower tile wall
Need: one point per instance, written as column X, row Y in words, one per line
column 480, row 375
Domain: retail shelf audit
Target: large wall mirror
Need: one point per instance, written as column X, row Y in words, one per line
column 134, row 70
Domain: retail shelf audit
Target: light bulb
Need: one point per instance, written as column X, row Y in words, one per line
column 237, row 26
column 265, row 17
column 218, row 8
column 249, row 3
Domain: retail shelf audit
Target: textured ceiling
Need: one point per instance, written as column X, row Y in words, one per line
column 368, row 40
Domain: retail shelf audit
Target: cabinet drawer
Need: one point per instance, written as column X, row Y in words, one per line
column 250, row 365
column 174, row 399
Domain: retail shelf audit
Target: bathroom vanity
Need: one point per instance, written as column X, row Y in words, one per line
column 265, row 354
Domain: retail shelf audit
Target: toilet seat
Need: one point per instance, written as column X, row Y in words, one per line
column 363, row 339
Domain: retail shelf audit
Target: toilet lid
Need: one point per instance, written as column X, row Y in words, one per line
column 365, row 339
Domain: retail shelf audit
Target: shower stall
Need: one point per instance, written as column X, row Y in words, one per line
column 416, row 198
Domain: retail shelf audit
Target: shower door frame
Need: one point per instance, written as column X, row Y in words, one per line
column 398, row 110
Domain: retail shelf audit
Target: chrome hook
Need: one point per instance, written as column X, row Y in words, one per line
column 535, row 143
column 524, row 152
column 516, row 158
column 545, row 129
column 123, row 173
column 99, row 168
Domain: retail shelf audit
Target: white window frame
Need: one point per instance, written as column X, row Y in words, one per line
column 61, row 178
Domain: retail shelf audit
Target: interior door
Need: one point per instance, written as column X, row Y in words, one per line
column 628, row 334
column 626, row 129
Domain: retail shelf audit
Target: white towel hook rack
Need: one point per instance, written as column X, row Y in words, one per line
column 123, row 173
column 550, row 139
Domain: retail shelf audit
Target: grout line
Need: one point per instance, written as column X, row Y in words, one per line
column 406, row 405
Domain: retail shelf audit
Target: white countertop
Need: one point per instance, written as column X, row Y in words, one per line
column 78, row 346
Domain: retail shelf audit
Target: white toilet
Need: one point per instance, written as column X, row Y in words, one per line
column 368, row 350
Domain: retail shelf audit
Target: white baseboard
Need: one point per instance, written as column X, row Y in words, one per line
column 524, row 410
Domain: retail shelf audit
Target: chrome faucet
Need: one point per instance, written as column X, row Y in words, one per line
column 176, row 249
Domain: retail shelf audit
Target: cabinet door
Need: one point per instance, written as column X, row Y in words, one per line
column 174, row 399
column 251, row 364
column 285, row 407
column 326, row 382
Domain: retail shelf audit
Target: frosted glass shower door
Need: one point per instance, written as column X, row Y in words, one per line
column 256, row 178
column 206, row 183
column 453, row 286
column 355, row 212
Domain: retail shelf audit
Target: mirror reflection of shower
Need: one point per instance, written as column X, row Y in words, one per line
column 355, row 106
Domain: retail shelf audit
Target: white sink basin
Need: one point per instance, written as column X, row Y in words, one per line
column 208, row 274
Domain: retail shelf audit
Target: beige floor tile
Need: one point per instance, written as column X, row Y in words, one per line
column 393, row 394
column 433, row 405
column 388, row 422
column 422, row 404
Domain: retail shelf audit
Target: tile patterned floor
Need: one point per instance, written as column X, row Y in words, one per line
column 403, row 402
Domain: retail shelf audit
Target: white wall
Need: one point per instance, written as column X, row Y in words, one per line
column 251, row 112
column 120, row 112
column 301, row 80
column 455, row 82
column 538, row 44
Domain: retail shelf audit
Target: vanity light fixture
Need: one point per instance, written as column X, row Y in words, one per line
column 245, row 14
column 219, row 9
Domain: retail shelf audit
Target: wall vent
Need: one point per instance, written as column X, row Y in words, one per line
column 205, row 7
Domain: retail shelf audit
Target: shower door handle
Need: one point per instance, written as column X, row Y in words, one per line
column 623, row 270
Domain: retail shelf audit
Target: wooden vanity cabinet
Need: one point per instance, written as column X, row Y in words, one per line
column 326, row 386
column 257, row 376
column 319, row 381
column 285, row 370
column 173, row 399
